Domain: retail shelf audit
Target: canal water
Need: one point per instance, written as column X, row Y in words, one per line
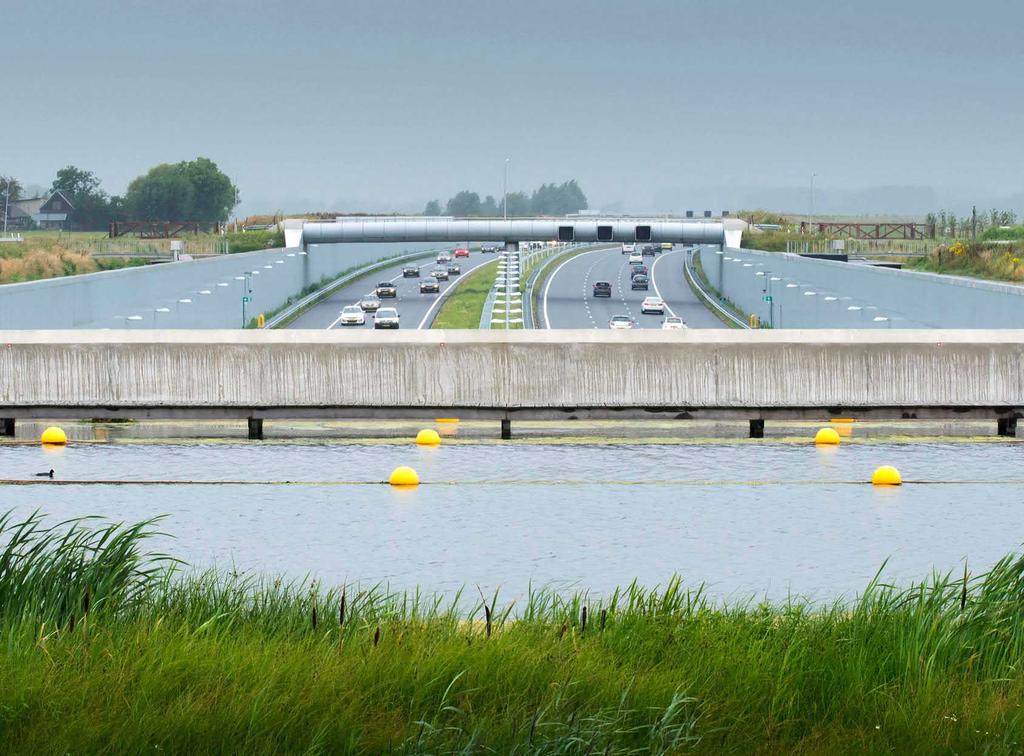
column 751, row 520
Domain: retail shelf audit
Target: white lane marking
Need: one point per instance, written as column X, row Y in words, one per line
column 586, row 299
column 547, row 284
column 654, row 281
column 442, row 296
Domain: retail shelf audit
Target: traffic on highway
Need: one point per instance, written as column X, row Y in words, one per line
column 405, row 295
column 622, row 288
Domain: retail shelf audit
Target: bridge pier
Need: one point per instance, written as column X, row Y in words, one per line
column 506, row 429
column 1006, row 426
column 255, row 428
column 757, row 428
column 6, row 426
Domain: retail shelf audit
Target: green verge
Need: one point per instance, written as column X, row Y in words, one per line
column 463, row 308
column 108, row 649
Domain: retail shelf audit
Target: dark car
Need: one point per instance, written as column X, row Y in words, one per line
column 649, row 250
column 639, row 282
column 386, row 290
column 454, row 269
column 638, row 268
column 411, row 272
column 429, row 286
column 602, row 289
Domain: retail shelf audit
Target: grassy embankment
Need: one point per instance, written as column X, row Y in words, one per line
column 982, row 259
column 463, row 308
column 105, row 648
column 52, row 254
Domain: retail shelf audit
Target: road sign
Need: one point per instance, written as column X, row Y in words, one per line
column 246, row 299
column 768, row 298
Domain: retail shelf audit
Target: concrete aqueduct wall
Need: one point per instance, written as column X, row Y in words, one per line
column 108, row 299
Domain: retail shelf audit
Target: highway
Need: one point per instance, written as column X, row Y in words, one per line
column 567, row 299
column 413, row 307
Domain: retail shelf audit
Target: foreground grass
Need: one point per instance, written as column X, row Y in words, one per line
column 1000, row 262
column 463, row 308
column 104, row 648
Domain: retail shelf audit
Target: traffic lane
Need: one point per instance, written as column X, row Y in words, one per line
column 411, row 305
column 625, row 300
column 668, row 282
column 565, row 297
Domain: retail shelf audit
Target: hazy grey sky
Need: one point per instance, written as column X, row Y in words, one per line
column 894, row 104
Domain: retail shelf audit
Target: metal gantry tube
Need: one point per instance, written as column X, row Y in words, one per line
column 520, row 229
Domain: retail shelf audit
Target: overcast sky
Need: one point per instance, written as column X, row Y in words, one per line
column 654, row 106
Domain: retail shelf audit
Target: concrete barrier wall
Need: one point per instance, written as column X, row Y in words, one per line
column 897, row 298
column 515, row 369
column 109, row 299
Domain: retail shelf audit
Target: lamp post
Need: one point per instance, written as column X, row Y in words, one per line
column 504, row 191
column 7, row 203
column 246, row 292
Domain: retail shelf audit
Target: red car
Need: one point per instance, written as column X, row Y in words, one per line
column 461, row 252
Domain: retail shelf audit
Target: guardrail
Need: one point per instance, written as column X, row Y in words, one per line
column 294, row 309
column 708, row 297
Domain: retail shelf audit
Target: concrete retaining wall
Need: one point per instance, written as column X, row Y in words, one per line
column 258, row 371
column 109, row 299
column 898, row 298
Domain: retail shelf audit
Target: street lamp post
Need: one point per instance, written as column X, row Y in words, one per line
column 7, row 203
column 504, row 191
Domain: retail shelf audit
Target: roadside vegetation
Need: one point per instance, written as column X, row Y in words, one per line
column 463, row 308
column 106, row 647
column 984, row 259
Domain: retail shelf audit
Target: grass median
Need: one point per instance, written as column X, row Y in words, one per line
column 108, row 649
column 463, row 308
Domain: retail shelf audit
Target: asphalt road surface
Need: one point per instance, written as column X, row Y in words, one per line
column 568, row 301
column 412, row 306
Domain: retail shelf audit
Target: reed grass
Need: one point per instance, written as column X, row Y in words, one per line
column 162, row 658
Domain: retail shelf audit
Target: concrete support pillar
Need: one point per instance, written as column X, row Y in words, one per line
column 511, row 246
column 1005, row 426
column 506, row 429
column 255, row 428
column 757, row 428
column 6, row 426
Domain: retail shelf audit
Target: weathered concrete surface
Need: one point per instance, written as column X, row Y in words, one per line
column 332, row 373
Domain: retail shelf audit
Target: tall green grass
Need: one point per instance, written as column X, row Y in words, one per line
column 161, row 658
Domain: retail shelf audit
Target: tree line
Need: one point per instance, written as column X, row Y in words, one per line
column 195, row 190
column 948, row 224
column 549, row 199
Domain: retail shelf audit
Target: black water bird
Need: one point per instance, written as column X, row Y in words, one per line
column 45, row 474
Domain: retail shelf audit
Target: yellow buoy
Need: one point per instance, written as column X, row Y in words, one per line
column 886, row 476
column 428, row 437
column 842, row 420
column 845, row 430
column 447, row 420
column 54, row 436
column 826, row 437
column 404, row 476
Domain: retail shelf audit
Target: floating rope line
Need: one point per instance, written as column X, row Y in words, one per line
column 510, row 482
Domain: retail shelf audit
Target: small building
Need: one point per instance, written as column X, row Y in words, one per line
column 49, row 211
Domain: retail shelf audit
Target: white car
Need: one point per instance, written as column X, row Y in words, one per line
column 443, row 258
column 636, row 257
column 386, row 317
column 620, row 323
column 653, row 306
column 352, row 315
column 628, row 249
column 672, row 323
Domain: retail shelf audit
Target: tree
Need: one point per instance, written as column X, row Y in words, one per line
column 433, row 208
column 10, row 188
column 91, row 205
column 519, row 204
column 464, row 204
column 74, row 182
column 186, row 191
column 489, row 207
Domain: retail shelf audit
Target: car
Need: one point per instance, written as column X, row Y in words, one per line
column 441, row 274
column 602, row 289
column 672, row 323
column 352, row 315
column 461, row 252
column 429, row 286
column 444, row 258
column 411, row 272
column 639, row 282
column 454, row 269
column 620, row 323
column 638, row 268
column 653, row 306
column 649, row 250
column 635, row 257
column 628, row 249
column 386, row 317
column 386, row 290
column 489, row 248
column 666, row 246
column 369, row 303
